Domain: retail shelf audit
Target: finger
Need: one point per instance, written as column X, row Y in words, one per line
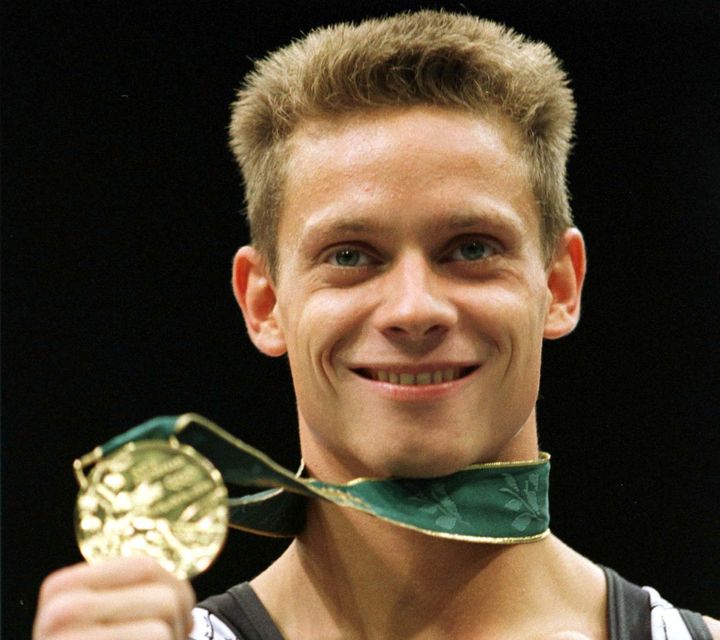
column 140, row 629
column 152, row 601
column 112, row 574
column 115, row 572
column 82, row 608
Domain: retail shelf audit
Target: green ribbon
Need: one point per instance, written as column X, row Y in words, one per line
column 499, row 502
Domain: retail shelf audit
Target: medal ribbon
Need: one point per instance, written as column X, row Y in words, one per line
column 497, row 502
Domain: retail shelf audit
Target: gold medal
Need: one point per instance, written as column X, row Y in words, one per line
column 154, row 498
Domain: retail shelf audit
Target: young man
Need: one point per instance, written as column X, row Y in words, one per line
column 412, row 247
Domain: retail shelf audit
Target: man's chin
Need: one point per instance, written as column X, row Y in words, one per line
column 419, row 465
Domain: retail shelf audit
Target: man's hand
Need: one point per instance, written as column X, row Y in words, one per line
column 129, row 598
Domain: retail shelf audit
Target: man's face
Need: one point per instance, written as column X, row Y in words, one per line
column 411, row 292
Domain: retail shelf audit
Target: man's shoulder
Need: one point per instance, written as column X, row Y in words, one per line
column 237, row 614
column 714, row 627
column 632, row 609
column 208, row 625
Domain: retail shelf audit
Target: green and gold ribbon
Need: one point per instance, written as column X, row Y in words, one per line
column 498, row 502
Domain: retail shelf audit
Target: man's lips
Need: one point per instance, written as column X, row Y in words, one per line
column 431, row 375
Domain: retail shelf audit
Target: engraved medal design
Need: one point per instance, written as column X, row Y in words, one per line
column 154, row 498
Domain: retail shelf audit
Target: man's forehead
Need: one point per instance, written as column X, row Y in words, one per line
column 359, row 173
column 409, row 138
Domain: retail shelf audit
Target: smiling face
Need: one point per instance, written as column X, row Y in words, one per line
column 412, row 293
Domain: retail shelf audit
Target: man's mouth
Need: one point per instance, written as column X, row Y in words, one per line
column 437, row 376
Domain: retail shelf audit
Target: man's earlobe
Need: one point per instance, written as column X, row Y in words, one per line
column 255, row 293
column 565, row 280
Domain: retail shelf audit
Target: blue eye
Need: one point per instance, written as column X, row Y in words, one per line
column 348, row 257
column 473, row 250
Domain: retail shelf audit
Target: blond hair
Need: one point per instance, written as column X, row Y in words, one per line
column 426, row 57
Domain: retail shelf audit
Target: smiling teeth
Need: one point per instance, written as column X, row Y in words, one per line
column 426, row 377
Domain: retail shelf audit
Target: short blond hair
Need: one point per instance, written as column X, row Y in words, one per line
column 425, row 57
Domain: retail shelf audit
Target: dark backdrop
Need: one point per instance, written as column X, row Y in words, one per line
column 121, row 215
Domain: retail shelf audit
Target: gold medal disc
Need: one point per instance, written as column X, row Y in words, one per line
column 154, row 498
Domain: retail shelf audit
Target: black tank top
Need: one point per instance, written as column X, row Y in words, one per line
column 238, row 614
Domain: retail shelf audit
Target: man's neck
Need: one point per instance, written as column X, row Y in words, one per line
column 351, row 576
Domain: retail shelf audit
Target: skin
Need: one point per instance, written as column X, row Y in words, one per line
column 409, row 243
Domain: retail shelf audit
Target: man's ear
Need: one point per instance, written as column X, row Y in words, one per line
column 255, row 293
column 565, row 280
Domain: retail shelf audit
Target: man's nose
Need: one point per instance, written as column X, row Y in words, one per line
column 416, row 307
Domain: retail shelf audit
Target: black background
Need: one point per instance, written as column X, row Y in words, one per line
column 121, row 215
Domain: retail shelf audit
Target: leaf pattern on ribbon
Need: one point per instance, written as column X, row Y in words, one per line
column 524, row 500
column 436, row 502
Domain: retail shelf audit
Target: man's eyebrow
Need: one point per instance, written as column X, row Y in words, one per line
column 492, row 217
column 341, row 224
